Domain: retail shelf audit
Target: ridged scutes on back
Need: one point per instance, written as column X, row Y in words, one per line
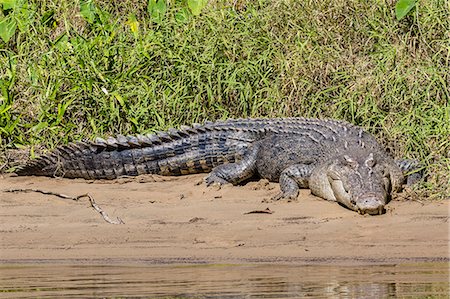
column 78, row 153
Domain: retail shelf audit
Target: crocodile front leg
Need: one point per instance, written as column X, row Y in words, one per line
column 292, row 179
column 234, row 173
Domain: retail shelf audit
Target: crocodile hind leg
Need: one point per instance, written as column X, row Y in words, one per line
column 292, row 179
column 234, row 173
column 412, row 170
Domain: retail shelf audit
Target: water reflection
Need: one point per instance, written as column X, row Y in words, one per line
column 224, row 281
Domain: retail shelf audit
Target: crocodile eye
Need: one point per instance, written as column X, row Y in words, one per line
column 370, row 161
column 352, row 163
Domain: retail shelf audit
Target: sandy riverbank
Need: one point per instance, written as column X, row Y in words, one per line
column 176, row 220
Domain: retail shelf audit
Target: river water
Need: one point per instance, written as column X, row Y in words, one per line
column 425, row 280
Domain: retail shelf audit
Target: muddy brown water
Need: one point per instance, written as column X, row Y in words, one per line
column 182, row 239
column 428, row 280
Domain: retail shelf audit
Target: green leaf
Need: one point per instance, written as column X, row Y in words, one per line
column 7, row 28
column 61, row 110
column 8, row 4
column 134, row 25
column 62, row 43
column 157, row 9
column 196, row 6
column 183, row 15
column 87, row 10
column 5, row 109
column 24, row 16
column 39, row 127
column 403, row 7
column 119, row 99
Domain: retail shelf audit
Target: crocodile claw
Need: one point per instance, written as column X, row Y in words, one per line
column 214, row 179
column 289, row 196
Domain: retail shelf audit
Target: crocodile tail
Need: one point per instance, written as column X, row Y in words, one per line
column 65, row 161
column 175, row 152
column 42, row 166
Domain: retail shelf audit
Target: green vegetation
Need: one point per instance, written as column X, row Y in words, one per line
column 77, row 70
column 403, row 8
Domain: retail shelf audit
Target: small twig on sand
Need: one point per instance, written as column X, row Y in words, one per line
column 45, row 192
column 91, row 200
column 266, row 211
column 104, row 215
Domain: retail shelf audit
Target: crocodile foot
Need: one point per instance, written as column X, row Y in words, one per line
column 288, row 196
column 213, row 179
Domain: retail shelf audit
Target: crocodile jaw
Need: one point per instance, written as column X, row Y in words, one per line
column 371, row 204
column 363, row 190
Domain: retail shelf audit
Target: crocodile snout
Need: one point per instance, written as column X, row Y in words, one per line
column 370, row 204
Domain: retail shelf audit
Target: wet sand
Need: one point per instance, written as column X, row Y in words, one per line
column 177, row 220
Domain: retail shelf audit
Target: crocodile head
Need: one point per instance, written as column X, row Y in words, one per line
column 360, row 182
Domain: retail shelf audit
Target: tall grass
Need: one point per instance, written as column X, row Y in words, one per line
column 70, row 79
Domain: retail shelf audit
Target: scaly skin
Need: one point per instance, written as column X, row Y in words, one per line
column 336, row 160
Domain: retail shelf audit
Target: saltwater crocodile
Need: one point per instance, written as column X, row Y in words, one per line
column 336, row 160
